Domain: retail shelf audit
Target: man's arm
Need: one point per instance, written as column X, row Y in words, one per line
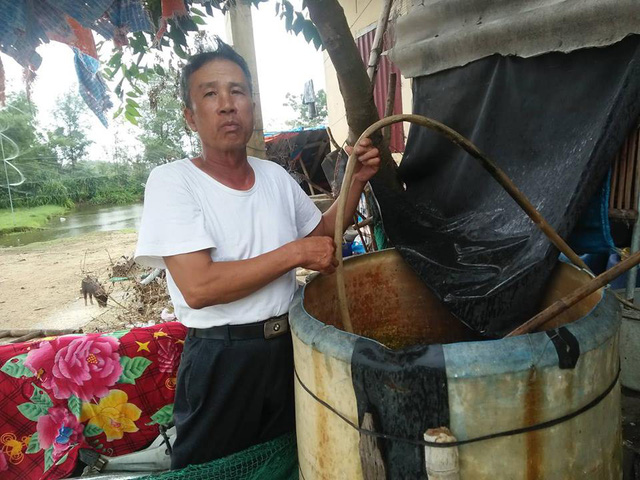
column 204, row 282
column 368, row 165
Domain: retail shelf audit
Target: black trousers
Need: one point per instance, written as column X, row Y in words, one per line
column 231, row 394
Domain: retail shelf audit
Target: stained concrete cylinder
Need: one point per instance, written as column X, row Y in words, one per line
column 492, row 386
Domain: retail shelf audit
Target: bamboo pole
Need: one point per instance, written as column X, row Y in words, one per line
column 22, row 335
column 333, row 140
column 388, row 111
column 376, row 47
column 574, row 297
column 26, row 337
column 307, row 176
column 45, row 332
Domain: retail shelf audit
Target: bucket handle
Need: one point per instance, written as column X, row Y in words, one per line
column 472, row 150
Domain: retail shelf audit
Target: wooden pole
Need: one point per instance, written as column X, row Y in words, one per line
column 317, row 187
column 358, row 229
column 240, row 30
column 388, row 110
column 22, row 335
column 365, row 222
column 574, row 297
column 26, row 337
column 376, row 47
column 306, row 174
column 333, row 140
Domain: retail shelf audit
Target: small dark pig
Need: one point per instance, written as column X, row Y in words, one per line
column 92, row 288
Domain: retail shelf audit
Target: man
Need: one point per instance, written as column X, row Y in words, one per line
column 231, row 230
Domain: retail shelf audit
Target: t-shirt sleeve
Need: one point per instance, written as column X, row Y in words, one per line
column 172, row 221
column 308, row 216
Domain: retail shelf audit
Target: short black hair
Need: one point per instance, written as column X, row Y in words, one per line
column 222, row 51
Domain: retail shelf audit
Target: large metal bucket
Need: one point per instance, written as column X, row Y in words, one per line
column 561, row 383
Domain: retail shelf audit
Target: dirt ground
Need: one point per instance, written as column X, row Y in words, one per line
column 40, row 286
column 40, row 283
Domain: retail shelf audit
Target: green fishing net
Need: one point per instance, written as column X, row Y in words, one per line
column 273, row 460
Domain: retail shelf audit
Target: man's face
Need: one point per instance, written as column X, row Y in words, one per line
column 221, row 106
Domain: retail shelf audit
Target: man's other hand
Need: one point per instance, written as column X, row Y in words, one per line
column 368, row 160
column 317, row 253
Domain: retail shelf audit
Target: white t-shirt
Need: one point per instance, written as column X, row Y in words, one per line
column 186, row 210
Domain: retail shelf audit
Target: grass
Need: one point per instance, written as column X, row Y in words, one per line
column 28, row 218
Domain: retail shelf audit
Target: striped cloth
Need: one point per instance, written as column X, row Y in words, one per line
column 122, row 17
column 92, row 87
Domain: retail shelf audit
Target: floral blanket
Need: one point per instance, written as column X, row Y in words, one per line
column 109, row 392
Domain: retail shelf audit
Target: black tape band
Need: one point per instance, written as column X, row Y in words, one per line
column 567, row 347
column 424, row 443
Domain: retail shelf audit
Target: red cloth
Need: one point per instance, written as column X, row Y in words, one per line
column 108, row 392
column 170, row 9
column 80, row 37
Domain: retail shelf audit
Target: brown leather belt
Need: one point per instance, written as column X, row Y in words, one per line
column 270, row 328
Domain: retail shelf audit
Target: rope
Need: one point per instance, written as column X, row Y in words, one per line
column 425, row 443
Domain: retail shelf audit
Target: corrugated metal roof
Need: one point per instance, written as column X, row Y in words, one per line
column 437, row 35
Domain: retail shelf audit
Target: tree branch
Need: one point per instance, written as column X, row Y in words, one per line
column 355, row 87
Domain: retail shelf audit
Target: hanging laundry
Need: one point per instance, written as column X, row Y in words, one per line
column 122, row 17
column 170, row 9
column 91, row 84
column 85, row 12
column 27, row 24
column 78, row 37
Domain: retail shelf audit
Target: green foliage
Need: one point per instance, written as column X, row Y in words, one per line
column 303, row 118
column 54, row 192
column 17, row 121
column 165, row 135
column 33, row 155
column 131, row 75
column 69, row 138
column 295, row 22
column 53, row 166
column 25, row 219
column 99, row 183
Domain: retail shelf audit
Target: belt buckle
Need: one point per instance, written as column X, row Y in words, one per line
column 276, row 327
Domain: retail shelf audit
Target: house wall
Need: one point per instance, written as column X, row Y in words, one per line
column 362, row 16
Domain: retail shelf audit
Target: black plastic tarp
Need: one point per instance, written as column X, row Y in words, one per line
column 553, row 123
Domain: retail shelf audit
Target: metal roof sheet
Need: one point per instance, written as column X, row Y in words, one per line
column 436, row 35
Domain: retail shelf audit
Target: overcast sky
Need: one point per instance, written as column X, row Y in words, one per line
column 285, row 63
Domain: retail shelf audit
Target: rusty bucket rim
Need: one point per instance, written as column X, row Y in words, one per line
column 330, row 340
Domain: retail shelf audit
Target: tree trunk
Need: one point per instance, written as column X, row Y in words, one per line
column 355, row 87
